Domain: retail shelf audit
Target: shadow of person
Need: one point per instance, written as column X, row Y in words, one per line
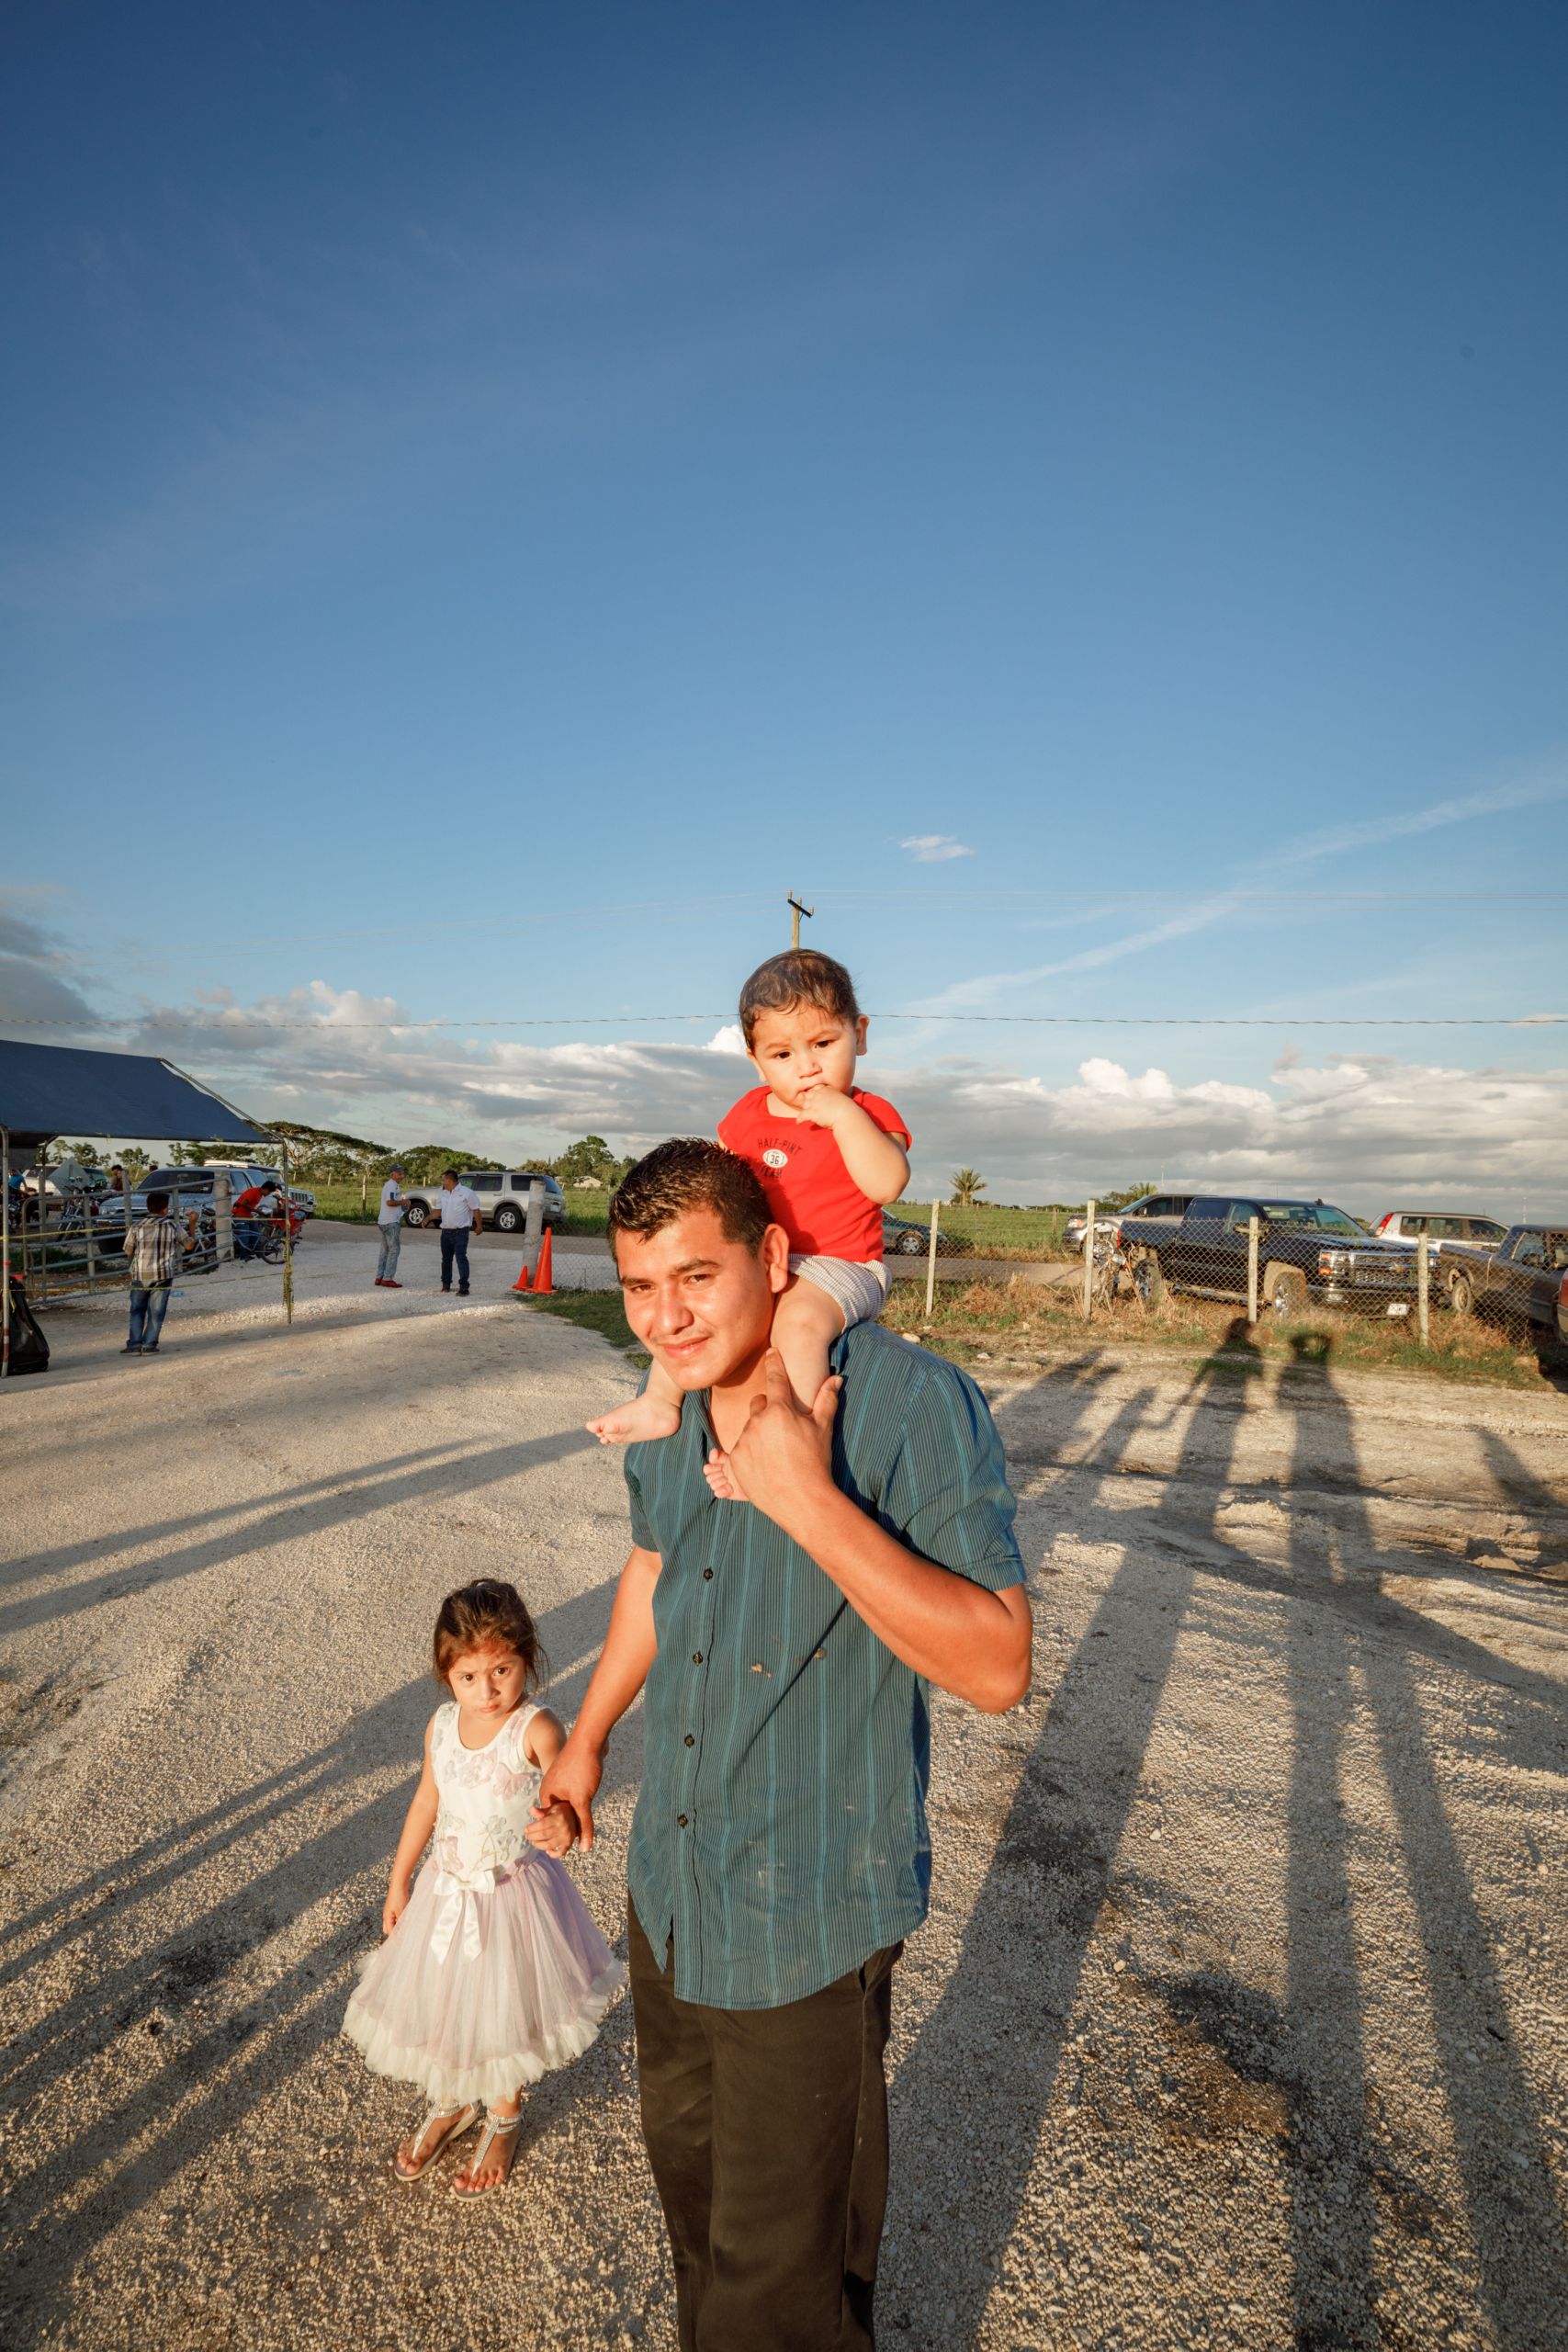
column 1352, row 1674
column 969, row 2101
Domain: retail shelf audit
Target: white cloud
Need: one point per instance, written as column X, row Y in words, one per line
column 1359, row 1128
column 934, row 849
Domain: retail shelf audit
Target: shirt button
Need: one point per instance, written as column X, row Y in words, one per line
column 691, row 1739
column 708, row 1576
column 679, row 1821
column 697, row 1657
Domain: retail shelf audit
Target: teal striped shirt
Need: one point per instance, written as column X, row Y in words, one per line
column 780, row 1835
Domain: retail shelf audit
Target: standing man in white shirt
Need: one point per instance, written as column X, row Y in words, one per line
column 389, row 1225
column 460, row 1216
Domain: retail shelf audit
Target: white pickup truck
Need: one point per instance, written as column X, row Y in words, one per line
column 502, row 1195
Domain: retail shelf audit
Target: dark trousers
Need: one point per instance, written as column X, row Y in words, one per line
column 454, row 1244
column 767, row 2133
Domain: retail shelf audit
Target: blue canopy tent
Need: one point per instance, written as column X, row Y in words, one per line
column 46, row 1090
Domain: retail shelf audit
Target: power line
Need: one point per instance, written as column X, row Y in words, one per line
column 327, row 1028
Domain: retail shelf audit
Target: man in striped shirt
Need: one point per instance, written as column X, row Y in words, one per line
column 154, row 1245
column 785, row 1647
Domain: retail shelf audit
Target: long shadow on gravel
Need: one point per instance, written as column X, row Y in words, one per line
column 235, row 1529
column 187, row 1992
column 1349, row 2186
column 980, row 2078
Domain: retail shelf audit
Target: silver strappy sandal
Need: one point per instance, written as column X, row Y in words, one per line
column 497, row 2127
column 457, row 2119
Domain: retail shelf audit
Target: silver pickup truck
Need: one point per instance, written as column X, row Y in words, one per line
column 502, row 1194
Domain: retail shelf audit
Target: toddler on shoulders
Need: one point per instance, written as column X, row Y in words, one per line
column 830, row 1157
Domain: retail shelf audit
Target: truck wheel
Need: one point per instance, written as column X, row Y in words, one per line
column 1461, row 1298
column 508, row 1218
column 1285, row 1292
column 416, row 1213
column 1148, row 1282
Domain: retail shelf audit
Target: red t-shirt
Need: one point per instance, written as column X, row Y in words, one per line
column 809, row 1189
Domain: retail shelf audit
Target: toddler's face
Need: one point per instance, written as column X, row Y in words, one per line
column 804, row 1046
column 487, row 1682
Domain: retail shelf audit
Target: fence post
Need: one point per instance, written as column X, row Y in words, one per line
column 534, row 1227
column 4, row 1252
column 287, row 1240
column 1423, row 1291
column 1089, row 1263
column 223, row 1215
column 930, row 1260
column 1252, row 1270
column 42, row 1198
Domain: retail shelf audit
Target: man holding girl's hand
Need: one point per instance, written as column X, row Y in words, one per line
column 779, row 1854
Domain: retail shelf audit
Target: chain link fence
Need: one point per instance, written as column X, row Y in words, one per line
column 1290, row 1262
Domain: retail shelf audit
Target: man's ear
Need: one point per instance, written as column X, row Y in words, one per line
column 775, row 1254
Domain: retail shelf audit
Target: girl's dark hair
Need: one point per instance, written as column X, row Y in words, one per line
column 479, row 1615
column 800, row 976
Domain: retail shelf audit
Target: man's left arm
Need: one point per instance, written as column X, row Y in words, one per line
column 960, row 1635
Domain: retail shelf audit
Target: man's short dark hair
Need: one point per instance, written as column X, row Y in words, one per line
column 688, row 1172
column 800, row 976
column 157, row 1203
column 455, row 1174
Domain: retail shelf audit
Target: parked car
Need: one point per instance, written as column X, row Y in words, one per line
column 251, row 1171
column 189, row 1188
column 1522, row 1283
column 1308, row 1254
column 1152, row 1204
column 1453, row 1236
column 502, row 1194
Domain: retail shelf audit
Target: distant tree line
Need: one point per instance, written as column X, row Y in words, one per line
column 330, row 1155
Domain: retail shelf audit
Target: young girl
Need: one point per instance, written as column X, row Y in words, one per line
column 830, row 1157
column 493, row 1971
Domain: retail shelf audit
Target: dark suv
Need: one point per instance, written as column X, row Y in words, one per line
column 1307, row 1252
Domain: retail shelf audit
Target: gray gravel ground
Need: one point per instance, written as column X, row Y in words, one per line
column 1240, row 2020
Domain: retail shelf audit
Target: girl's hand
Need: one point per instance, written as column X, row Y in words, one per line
column 554, row 1831
column 573, row 1780
column 392, row 1910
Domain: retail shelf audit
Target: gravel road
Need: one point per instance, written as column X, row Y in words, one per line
column 1240, row 2020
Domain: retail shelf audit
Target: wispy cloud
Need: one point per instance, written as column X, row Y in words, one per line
column 1307, row 849
column 934, row 849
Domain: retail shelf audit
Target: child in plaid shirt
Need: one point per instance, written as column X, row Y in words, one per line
column 154, row 1248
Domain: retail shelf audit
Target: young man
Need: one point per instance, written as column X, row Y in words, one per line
column 390, row 1227
column 460, row 1216
column 779, row 1854
column 154, row 1247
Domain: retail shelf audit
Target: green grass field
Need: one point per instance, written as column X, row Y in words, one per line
column 990, row 1232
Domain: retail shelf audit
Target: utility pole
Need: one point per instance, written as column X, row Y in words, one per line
column 796, row 911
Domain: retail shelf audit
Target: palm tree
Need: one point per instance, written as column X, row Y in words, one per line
column 966, row 1183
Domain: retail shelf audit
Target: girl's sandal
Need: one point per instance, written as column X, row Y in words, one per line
column 499, row 2129
column 457, row 2119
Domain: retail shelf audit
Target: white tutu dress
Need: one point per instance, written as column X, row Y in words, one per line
column 495, row 1973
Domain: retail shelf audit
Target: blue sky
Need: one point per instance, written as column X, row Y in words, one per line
column 496, row 497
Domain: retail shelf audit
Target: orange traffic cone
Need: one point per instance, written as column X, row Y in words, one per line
column 522, row 1282
column 543, row 1287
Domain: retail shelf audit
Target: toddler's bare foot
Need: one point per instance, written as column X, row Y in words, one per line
column 640, row 1424
column 720, row 1478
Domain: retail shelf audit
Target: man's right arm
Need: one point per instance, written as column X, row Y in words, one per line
column 629, row 1650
